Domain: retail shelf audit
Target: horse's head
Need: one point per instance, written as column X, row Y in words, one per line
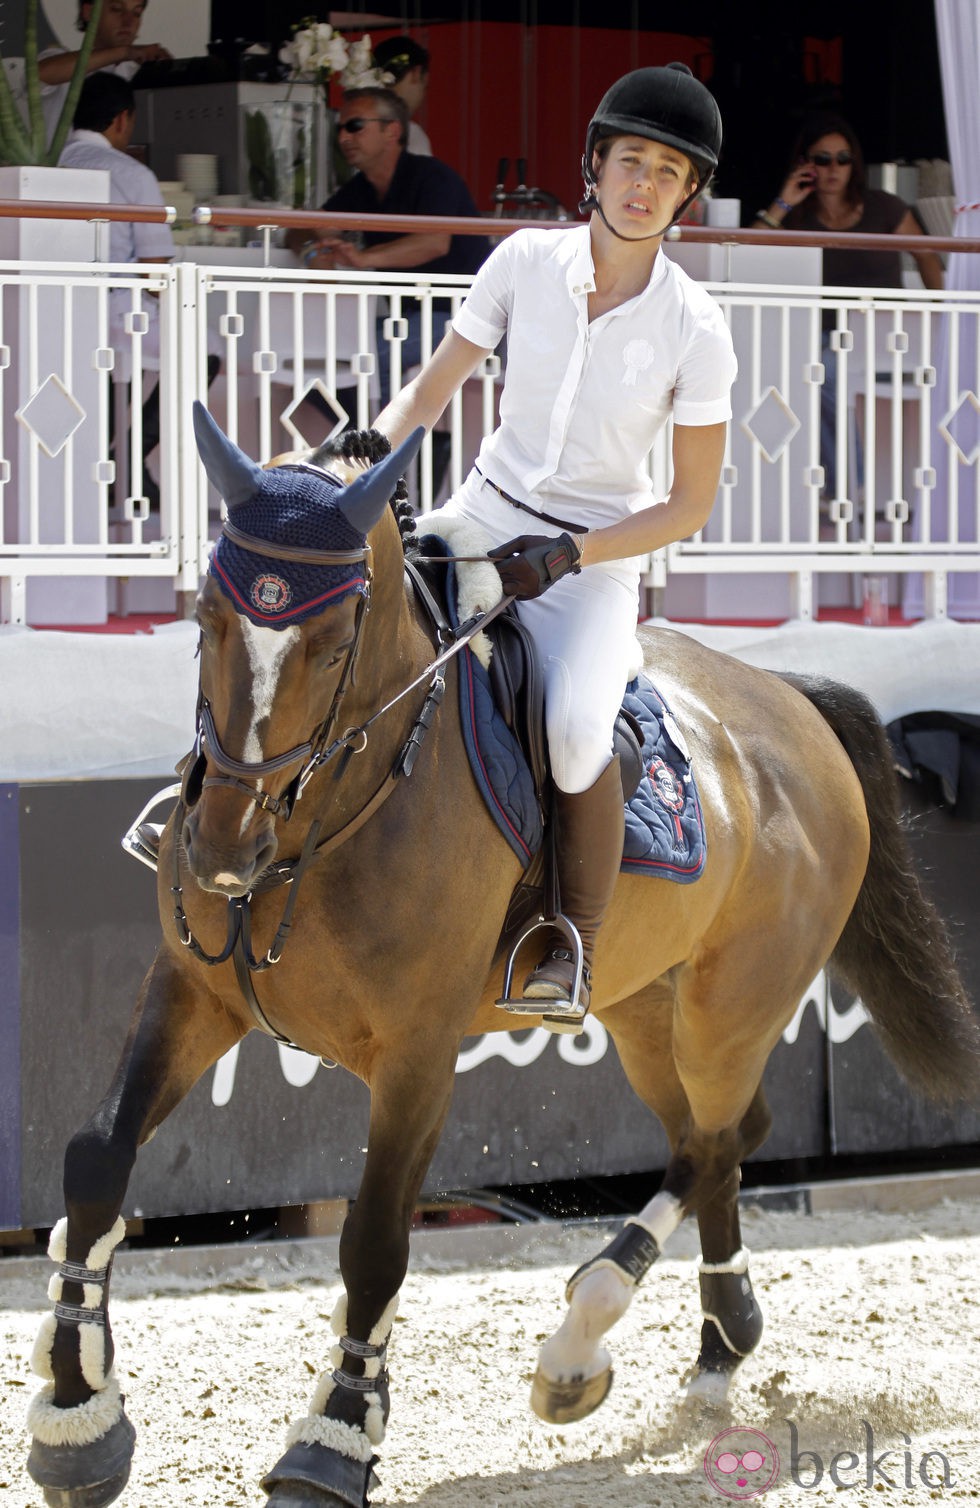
column 280, row 613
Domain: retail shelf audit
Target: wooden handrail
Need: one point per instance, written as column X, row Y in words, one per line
column 321, row 220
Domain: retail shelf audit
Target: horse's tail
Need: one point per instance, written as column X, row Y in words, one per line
column 894, row 952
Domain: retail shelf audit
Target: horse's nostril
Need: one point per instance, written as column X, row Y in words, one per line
column 265, row 853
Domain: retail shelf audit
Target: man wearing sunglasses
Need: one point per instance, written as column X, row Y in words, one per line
column 388, row 180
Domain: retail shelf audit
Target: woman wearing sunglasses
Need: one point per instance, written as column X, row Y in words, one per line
column 827, row 190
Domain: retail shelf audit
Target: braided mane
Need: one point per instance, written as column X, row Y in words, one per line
column 371, row 446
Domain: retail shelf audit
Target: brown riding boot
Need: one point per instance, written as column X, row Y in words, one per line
column 590, row 851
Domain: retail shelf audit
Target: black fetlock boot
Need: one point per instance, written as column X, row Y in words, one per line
column 590, row 828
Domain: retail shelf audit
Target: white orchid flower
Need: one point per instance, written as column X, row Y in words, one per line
column 360, row 54
column 336, row 55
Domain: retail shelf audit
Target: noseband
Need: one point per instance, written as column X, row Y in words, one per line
column 244, row 775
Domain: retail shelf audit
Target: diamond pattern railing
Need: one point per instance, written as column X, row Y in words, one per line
column 854, row 447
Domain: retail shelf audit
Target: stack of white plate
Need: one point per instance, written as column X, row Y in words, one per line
column 199, row 171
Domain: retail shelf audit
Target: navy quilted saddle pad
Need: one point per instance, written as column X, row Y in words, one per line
column 664, row 822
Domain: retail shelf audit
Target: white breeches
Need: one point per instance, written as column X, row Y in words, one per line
column 584, row 628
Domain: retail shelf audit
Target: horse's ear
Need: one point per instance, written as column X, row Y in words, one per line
column 236, row 477
column 366, row 499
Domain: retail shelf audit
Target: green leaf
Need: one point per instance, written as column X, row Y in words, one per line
column 15, row 144
column 24, row 145
column 74, row 88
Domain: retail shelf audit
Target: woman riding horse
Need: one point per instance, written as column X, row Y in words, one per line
column 319, row 679
column 606, row 339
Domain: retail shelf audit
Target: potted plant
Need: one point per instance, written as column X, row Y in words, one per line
column 23, row 144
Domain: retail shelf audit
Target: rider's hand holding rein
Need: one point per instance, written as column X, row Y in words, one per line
column 529, row 564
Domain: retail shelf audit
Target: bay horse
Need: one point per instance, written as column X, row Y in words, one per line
column 387, row 952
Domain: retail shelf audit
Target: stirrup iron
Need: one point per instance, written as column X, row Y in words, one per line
column 142, row 840
column 556, row 1015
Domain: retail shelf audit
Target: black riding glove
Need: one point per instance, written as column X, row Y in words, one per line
column 531, row 563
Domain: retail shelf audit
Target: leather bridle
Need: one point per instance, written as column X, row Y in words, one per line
column 243, row 775
column 319, row 748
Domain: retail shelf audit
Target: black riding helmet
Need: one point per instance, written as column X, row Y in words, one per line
column 663, row 104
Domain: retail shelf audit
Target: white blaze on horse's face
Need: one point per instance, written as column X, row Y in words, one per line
column 266, row 649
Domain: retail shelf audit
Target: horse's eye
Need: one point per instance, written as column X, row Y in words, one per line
column 328, row 653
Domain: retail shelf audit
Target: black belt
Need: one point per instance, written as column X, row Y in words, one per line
column 548, row 518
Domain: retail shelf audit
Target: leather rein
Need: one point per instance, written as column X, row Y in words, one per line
column 321, row 747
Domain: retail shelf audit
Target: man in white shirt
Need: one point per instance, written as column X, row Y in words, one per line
column 114, row 50
column 104, row 122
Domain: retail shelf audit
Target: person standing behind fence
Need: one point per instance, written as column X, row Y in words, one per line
column 407, row 64
column 115, row 50
column 827, row 189
column 103, row 129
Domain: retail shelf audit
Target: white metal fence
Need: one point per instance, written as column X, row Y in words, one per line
column 82, row 349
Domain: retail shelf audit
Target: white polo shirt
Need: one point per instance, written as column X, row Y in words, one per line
column 583, row 403
column 53, row 96
column 130, row 182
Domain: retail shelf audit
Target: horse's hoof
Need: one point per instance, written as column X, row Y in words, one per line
column 565, row 1402
column 707, row 1389
column 313, row 1476
column 84, row 1476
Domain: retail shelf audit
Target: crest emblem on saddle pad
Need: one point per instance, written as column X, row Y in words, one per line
column 270, row 594
column 666, row 785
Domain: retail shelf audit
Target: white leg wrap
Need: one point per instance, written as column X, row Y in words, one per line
column 660, row 1217
column 600, row 1292
column 106, row 1245
column 356, row 1444
column 101, row 1251
column 91, row 1337
column 598, row 1300
column 43, row 1346
column 315, row 1429
column 91, row 1355
column 58, row 1241
column 739, row 1263
column 76, row 1426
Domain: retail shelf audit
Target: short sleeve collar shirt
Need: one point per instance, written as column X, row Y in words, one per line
column 420, row 186
column 131, row 182
column 53, row 96
column 584, row 402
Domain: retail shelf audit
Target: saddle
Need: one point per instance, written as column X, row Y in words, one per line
column 518, row 689
column 517, row 683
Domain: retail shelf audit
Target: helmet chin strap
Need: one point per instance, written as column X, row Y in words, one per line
column 592, row 201
column 653, row 236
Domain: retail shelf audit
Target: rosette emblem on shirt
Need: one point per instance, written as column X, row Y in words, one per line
column 637, row 354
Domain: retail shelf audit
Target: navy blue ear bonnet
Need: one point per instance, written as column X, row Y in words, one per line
column 297, row 507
